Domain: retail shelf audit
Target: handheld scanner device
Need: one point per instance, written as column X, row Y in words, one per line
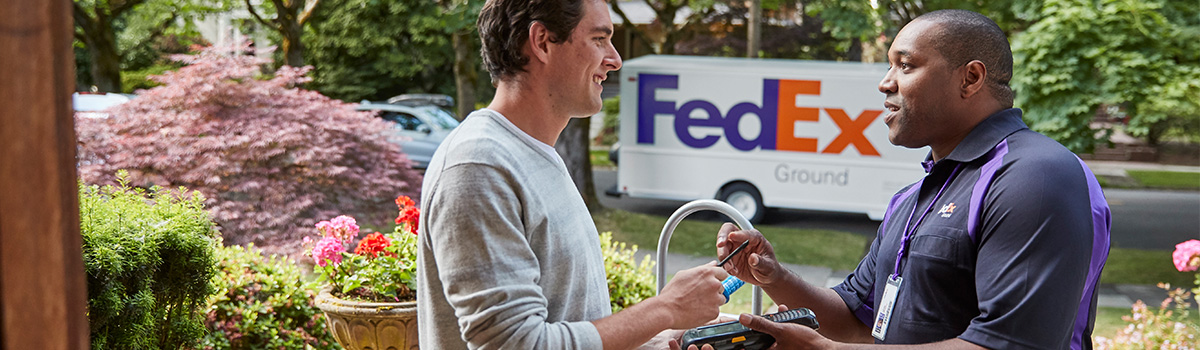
column 735, row 336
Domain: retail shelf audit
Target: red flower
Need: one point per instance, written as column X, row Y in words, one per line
column 373, row 245
column 404, row 202
column 409, row 217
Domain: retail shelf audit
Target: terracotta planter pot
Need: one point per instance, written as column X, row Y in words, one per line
column 365, row 325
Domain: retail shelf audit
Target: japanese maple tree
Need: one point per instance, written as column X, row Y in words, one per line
column 270, row 157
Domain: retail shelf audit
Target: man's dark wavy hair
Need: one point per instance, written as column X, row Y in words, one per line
column 504, row 29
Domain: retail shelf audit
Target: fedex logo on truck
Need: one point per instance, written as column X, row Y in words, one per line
column 778, row 119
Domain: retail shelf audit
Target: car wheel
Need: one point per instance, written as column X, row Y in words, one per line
column 746, row 199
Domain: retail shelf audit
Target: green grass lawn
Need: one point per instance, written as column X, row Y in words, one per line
column 834, row 249
column 843, row 250
column 1137, row 266
column 1166, row 179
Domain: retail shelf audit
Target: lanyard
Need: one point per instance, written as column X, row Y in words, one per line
column 908, row 231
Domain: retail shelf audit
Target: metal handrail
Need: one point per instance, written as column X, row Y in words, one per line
column 688, row 209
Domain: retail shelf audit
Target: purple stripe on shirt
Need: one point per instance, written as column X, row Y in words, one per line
column 987, row 173
column 866, row 312
column 1101, row 222
column 896, row 200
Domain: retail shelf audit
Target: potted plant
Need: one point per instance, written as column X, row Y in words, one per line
column 370, row 293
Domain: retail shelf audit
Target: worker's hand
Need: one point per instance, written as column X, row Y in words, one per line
column 694, row 296
column 756, row 263
column 674, row 343
column 787, row 335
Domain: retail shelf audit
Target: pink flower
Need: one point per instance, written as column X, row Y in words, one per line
column 328, row 249
column 1187, row 256
column 344, row 228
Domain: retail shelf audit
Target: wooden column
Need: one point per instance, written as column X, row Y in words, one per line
column 43, row 294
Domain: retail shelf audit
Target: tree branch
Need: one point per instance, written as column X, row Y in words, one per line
column 81, row 17
column 308, row 11
column 250, row 8
column 124, row 6
column 631, row 27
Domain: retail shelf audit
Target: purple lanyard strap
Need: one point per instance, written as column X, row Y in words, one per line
column 908, row 231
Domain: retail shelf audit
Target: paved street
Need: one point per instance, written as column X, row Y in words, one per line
column 1143, row 219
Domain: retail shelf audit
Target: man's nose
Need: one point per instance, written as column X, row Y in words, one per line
column 888, row 84
column 612, row 60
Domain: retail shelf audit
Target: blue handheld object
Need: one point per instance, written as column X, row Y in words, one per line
column 731, row 285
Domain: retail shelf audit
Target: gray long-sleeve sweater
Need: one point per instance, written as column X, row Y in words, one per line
column 509, row 257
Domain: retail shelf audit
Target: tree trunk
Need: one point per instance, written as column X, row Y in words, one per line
column 572, row 145
column 856, row 50
column 754, row 29
column 101, row 43
column 466, row 77
column 293, row 48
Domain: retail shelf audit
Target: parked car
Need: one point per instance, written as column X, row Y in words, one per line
column 419, row 127
column 91, row 104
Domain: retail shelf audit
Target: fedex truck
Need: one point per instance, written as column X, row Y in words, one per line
column 759, row 134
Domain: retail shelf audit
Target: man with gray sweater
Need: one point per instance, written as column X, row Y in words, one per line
column 508, row 256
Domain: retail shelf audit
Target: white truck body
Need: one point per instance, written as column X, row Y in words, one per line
column 802, row 134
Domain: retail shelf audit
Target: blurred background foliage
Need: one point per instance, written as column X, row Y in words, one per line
column 1077, row 61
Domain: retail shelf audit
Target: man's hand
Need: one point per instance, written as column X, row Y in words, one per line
column 694, row 296
column 787, row 335
column 756, row 263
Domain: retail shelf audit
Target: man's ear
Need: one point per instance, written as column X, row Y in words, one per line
column 974, row 78
column 539, row 42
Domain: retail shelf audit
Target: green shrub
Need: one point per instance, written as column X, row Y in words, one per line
column 149, row 257
column 263, row 304
column 612, row 122
column 628, row 282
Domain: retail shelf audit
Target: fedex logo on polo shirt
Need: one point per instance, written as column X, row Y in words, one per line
column 777, row 111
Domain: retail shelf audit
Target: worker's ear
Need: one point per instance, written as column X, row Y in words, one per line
column 539, row 42
column 974, row 76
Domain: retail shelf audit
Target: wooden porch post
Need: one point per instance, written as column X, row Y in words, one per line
column 43, row 294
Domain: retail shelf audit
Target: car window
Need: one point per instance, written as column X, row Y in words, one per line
column 403, row 120
column 441, row 117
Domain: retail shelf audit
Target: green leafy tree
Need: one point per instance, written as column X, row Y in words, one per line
column 288, row 21
column 368, row 49
column 1084, row 54
column 117, row 35
column 460, row 18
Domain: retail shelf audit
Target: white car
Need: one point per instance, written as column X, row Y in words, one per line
column 91, row 105
column 418, row 128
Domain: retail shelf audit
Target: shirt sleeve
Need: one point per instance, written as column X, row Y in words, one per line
column 858, row 290
column 488, row 271
column 1034, row 248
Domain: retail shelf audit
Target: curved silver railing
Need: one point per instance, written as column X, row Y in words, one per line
column 688, row 209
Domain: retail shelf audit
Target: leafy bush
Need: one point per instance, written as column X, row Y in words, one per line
column 628, row 282
column 612, row 122
column 1170, row 327
column 1166, row 328
column 149, row 257
column 263, row 304
column 271, row 158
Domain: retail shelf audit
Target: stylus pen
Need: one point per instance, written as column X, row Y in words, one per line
column 731, row 254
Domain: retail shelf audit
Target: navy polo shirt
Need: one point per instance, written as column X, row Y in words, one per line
column 1008, row 256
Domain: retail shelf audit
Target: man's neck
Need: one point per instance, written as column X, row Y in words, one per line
column 529, row 110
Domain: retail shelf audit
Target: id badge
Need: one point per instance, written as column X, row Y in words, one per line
column 886, row 305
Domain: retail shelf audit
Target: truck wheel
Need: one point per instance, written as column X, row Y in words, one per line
column 746, row 199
